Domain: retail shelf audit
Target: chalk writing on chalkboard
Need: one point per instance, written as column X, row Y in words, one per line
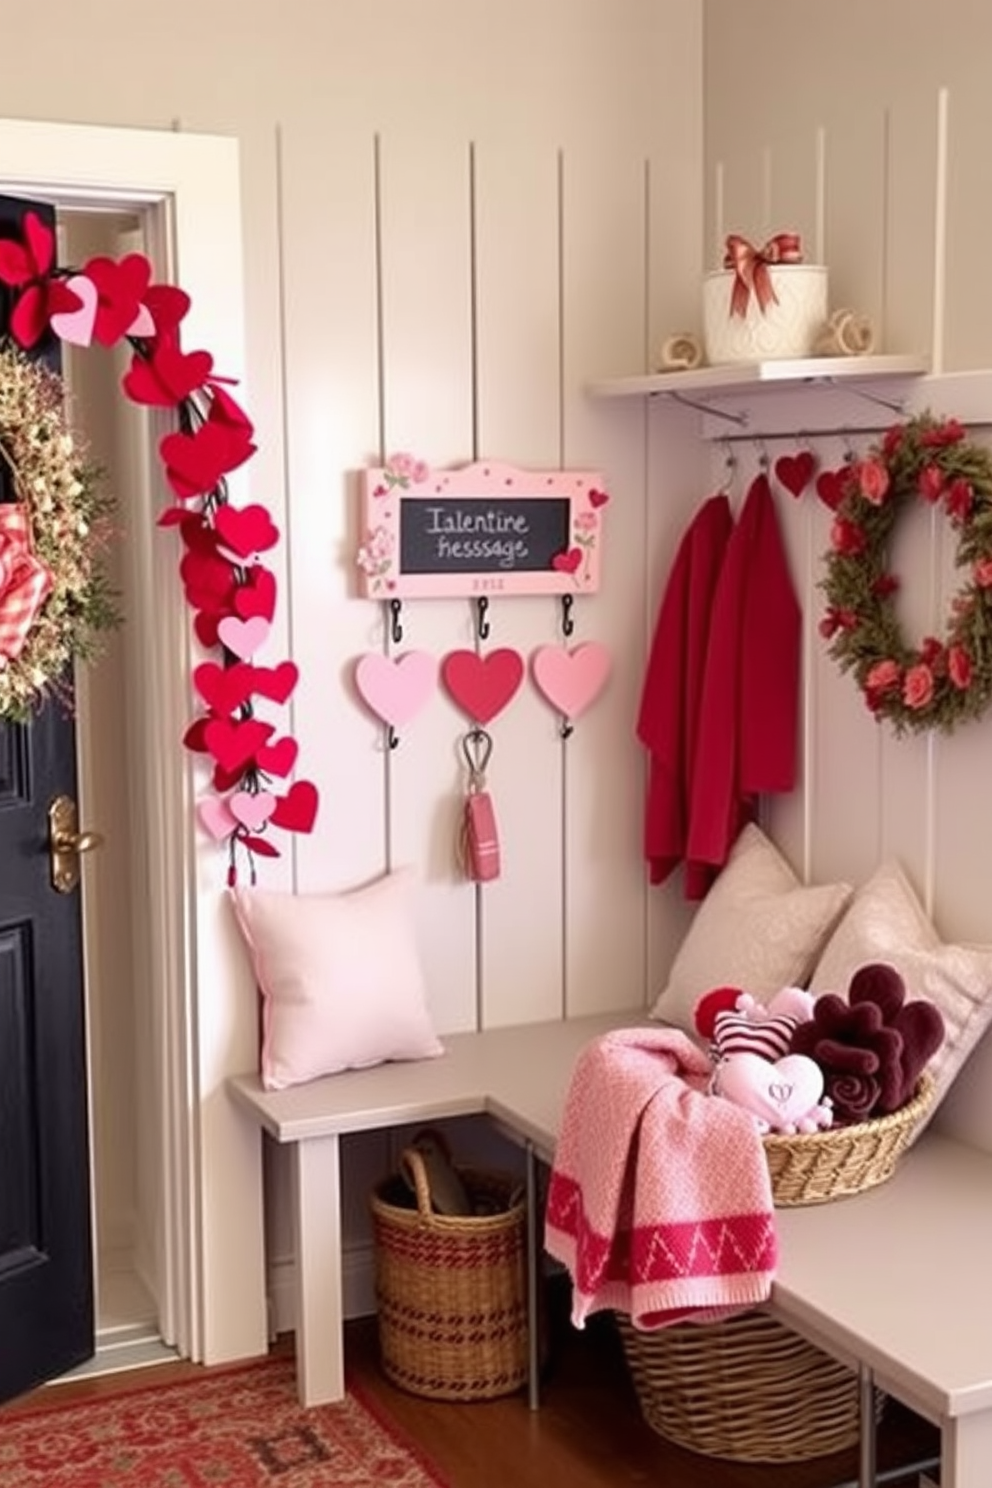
column 486, row 528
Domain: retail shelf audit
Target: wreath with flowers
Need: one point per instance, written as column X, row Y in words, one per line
column 54, row 594
column 944, row 681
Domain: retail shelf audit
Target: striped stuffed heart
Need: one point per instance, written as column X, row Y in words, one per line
column 737, row 1033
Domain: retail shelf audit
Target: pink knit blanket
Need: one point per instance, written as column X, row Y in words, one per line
column 660, row 1200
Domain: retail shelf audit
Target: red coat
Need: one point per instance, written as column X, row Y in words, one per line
column 720, row 702
column 667, row 720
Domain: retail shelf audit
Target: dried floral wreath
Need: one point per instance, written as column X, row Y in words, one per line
column 54, row 596
column 944, row 681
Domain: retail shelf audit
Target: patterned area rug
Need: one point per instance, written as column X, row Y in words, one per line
column 239, row 1429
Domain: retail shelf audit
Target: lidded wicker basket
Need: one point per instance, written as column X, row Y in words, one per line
column 451, row 1291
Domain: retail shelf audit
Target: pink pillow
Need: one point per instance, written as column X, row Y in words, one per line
column 340, row 979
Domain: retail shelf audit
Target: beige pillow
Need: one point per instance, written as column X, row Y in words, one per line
column 759, row 928
column 887, row 922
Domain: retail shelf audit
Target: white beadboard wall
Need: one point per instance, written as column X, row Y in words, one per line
column 893, row 101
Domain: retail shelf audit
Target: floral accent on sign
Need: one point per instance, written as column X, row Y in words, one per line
column 54, row 595
column 484, row 529
column 943, row 681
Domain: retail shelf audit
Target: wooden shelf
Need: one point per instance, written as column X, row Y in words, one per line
column 750, row 376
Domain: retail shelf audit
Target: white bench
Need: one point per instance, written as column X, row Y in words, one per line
column 896, row 1282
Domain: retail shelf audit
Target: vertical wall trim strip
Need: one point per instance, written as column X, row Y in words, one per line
column 473, row 312
column 563, row 744
column 940, row 237
column 883, row 313
column 380, row 379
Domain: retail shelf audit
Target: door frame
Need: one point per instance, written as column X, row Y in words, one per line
column 186, row 188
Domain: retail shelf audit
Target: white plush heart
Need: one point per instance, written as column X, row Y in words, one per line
column 781, row 1094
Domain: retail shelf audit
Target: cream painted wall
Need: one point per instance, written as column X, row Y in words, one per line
column 455, row 214
column 866, row 78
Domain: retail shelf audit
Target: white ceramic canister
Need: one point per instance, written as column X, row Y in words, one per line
column 788, row 326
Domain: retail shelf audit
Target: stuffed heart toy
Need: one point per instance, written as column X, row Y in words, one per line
column 784, row 1095
column 745, row 1026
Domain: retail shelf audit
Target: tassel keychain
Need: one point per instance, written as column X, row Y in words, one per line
column 479, row 839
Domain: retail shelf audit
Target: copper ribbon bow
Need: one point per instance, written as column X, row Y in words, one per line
column 750, row 266
column 25, row 582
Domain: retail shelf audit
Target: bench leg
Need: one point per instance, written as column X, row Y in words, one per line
column 867, row 1428
column 533, row 1283
column 966, row 1451
column 317, row 1244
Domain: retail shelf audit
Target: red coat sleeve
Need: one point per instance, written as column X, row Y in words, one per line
column 667, row 718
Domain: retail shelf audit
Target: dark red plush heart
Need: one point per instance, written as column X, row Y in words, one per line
column 482, row 685
column 296, row 811
column 245, row 529
column 121, row 285
column 278, row 758
column 567, row 562
column 922, row 1028
column 598, row 498
column 276, row 682
column 224, row 688
column 831, row 486
column 796, row 471
column 168, row 376
column 258, row 595
column 234, row 744
column 194, row 463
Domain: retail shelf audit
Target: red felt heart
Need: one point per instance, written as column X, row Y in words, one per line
column 209, row 581
column 276, row 682
column 598, row 498
column 278, row 758
column 120, row 285
column 258, row 595
column 482, row 685
column 225, row 410
column 193, row 737
column 567, row 562
column 796, row 471
column 32, row 259
column 234, row 743
column 167, row 305
column 194, row 463
column 225, row 780
column 205, row 623
column 224, row 688
column 831, row 486
column 245, row 529
column 296, row 811
column 168, row 376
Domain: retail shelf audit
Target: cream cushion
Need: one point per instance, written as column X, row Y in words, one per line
column 759, row 928
column 887, row 922
column 340, row 979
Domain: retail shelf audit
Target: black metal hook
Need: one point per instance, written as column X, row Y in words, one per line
column 395, row 627
column 567, row 728
column 567, row 623
column 481, row 623
column 392, row 738
column 477, row 746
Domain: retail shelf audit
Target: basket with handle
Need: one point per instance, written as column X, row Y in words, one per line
column 451, row 1290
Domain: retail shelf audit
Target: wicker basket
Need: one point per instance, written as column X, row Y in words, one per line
column 451, row 1291
column 845, row 1159
column 748, row 1389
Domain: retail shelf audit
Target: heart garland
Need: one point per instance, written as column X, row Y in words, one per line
column 230, row 591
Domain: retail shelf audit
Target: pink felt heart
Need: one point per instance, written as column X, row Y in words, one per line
column 396, row 688
column 142, row 324
column 569, row 562
column 76, row 326
column 215, row 817
column 796, row 471
column 252, row 809
column 243, row 637
column 482, row 686
column 781, row 1094
column 571, row 680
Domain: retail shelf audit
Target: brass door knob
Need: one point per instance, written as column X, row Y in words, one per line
column 66, row 842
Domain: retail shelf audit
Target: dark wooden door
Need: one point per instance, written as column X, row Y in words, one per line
column 46, row 1267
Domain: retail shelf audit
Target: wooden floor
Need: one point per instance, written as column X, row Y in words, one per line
column 588, row 1433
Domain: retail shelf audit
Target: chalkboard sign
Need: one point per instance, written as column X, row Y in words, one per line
column 487, row 528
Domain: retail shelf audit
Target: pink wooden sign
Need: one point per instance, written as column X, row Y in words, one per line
column 486, row 528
